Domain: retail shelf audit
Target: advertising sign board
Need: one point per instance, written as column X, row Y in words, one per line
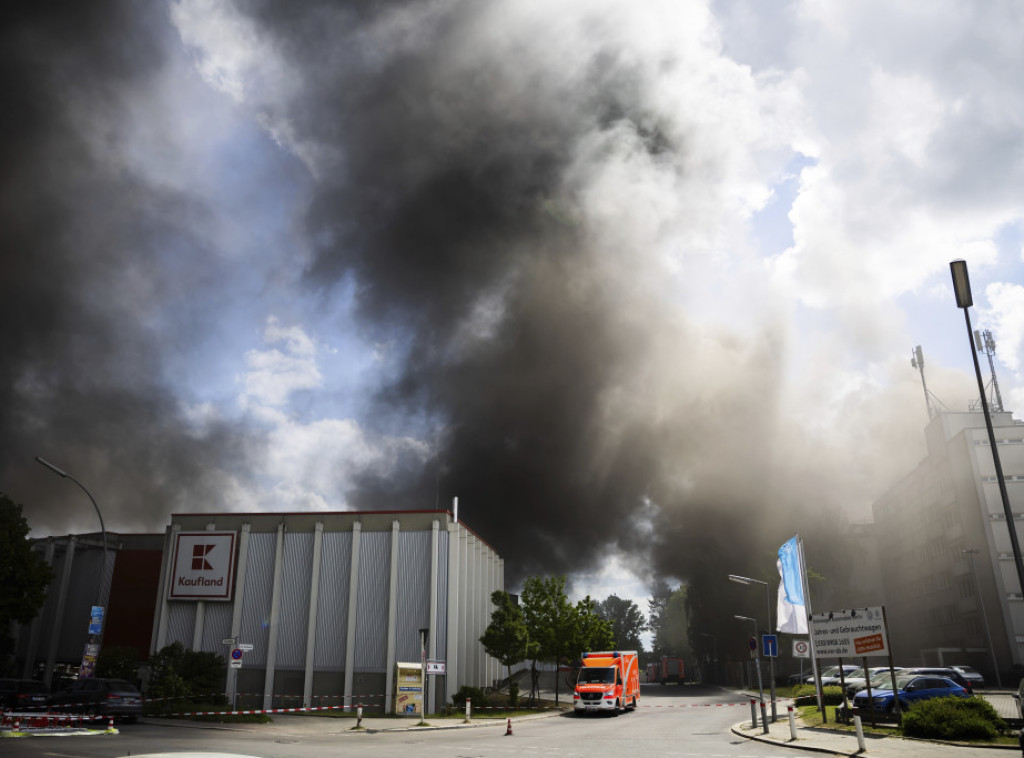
column 850, row 633
column 203, row 566
column 436, row 667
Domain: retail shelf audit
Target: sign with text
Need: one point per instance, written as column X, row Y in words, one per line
column 203, row 566
column 850, row 633
column 436, row 667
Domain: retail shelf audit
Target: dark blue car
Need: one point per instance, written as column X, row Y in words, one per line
column 909, row 689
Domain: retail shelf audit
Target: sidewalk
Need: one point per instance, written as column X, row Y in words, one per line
column 822, row 739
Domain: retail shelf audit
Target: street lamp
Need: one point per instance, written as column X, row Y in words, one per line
column 771, row 661
column 97, row 638
column 970, row 553
column 714, row 653
column 757, row 656
column 964, row 300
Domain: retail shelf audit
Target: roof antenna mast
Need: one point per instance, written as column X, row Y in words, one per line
column 917, row 361
column 984, row 343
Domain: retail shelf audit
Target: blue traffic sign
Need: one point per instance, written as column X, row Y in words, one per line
column 770, row 645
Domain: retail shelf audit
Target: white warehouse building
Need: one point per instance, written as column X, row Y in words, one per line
column 330, row 603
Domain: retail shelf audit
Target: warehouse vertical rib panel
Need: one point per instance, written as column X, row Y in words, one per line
column 83, row 584
column 294, row 616
column 181, row 623
column 413, row 593
column 259, row 583
column 372, row 602
column 441, row 619
column 216, row 627
column 332, row 613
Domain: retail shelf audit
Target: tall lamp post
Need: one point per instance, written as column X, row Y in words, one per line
column 771, row 661
column 757, row 659
column 970, row 553
column 964, row 300
column 714, row 653
column 96, row 625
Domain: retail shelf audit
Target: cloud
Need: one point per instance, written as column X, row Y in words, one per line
column 273, row 375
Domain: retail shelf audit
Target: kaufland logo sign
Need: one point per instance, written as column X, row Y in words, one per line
column 204, row 564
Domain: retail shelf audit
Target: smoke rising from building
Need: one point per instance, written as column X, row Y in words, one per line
column 541, row 218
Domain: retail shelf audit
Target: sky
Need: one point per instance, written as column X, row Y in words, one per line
column 638, row 283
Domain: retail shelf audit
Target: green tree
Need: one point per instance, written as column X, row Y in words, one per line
column 118, row 663
column 675, row 628
column 627, row 622
column 560, row 630
column 661, row 593
column 24, row 575
column 506, row 638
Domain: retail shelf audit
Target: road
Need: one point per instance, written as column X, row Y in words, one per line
column 688, row 721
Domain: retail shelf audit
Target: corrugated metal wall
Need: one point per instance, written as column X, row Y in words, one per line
column 181, row 623
column 413, row 598
column 372, row 602
column 332, row 601
column 297, row 568
column 259, row 583
column 83, row 585
column 216, row 626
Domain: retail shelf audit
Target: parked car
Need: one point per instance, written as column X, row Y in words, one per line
column 101, row 697
column 830, row 675
column 972, row 675
column 878, row 676
column 949, row 673
column 22, row 695
column 909, row 689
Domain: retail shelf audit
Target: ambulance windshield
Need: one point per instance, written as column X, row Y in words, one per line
column 597, row 676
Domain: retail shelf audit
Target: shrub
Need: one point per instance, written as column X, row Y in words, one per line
column 180, row 673
column 118, row 663
column 806, row 694
column 953, row 718
column 475, row 695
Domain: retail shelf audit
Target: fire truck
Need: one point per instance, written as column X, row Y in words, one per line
column 668, row 669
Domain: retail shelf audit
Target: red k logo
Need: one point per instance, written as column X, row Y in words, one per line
column 199, row 553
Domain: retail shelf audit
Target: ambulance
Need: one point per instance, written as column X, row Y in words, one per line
column 608, row 682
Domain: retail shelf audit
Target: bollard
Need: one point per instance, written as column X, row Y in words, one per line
column 764, row 719
column 753, row 714
column 469, row 706
column 860, row 733
column 359, row 715
column 792, row 722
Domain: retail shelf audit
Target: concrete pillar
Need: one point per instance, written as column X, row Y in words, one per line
column 275, row 620
column 58, row 616
column 353, row 597
column 314, row 598
column 452, row 681
column 392, row 631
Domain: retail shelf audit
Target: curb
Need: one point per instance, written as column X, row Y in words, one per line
column 739, row 731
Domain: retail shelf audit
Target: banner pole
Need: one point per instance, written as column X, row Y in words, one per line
column 810, row 628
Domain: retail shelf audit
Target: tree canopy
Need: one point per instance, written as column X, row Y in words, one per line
column 627, row 622
column 24, row 575
column 506, row 637
column 561, row 631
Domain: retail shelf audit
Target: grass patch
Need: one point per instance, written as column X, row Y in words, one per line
column 811, row 716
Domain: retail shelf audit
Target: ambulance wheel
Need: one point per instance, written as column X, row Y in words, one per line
column 618, row 708
column 634, row 702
